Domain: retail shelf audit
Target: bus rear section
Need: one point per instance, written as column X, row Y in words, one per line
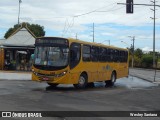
column 97, row 63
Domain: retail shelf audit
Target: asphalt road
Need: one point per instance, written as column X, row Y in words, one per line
column 128, row 94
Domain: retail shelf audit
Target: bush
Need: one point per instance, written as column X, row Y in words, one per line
column 147, row 61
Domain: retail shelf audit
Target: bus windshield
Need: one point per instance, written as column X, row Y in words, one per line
column 51, row 56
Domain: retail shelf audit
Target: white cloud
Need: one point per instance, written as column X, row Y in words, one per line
column 107, row 34
column 147, row 49
column 114, row 24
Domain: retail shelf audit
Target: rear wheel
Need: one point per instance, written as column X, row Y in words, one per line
column 90, row 85
column 82, row 82
column 53, row 84
column 112, row 80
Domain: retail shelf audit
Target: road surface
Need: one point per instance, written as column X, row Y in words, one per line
column 128, row 94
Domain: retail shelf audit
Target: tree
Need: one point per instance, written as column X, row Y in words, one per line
column 137, row 61
column 36, row 29
column 11, row 31
column 138, row 52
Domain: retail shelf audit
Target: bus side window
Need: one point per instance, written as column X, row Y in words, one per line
column 126, row 56
column 75, row 50
column 118, row 56
column 121, row 56
column 108, row 52
column 102, row 54
column 111, row 55
column 86, row 53
column 115, row 55
column 95, row 54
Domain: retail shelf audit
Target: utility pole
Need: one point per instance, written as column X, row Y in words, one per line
column 93, row 32
column 133, row 52
column 154, row 24
column 76, row 36
column 133, row 39
column 20, row 1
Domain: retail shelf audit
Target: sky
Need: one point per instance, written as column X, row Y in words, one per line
column 75, row 18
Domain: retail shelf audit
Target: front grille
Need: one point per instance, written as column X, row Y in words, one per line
column 43, row 75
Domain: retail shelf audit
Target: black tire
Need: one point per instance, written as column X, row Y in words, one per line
column 53, row 84
column 112, row 80
column 90, row 85
column 82, row 82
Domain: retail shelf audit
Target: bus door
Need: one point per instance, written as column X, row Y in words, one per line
column 75, row 50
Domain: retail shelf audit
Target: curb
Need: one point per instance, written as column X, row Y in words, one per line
column 14, row 80
column 18, row 72
column 145, row 69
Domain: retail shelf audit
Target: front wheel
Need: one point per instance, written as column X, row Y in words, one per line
column 82, row 82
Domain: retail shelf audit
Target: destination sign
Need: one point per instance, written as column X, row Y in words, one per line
column 51, row 41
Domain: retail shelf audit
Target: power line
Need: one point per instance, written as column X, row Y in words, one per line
column 70, row 25
column 64, row 27
column 111, row 10
column 93, row 10
column 96, row 10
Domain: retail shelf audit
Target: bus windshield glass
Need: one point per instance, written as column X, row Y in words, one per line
column 51, row 56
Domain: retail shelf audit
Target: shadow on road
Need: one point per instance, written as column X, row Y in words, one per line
column 66, row 88
column 123, row 83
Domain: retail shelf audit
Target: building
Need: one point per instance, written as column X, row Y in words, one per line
column 16, row 51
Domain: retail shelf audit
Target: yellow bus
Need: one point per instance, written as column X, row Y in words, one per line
column 71, row 61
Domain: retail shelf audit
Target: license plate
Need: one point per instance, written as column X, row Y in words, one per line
column 45, row 78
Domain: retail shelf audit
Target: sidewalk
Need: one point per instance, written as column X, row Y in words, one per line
column 146, row 74
column 15, row 75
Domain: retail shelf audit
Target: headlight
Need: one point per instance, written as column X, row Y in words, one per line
column 61, row 74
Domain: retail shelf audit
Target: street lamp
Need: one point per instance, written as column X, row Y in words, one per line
column 125, row 43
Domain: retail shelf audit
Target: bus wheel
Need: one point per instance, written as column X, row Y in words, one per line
column 112, row 80
column 82, row 82
column 53, row 84
column 90, row 85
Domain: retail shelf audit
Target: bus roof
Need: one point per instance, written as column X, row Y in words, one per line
column 95, row 44
column 88, row 43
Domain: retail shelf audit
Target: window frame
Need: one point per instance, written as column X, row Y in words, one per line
column 75, row 62
column 84, row 58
